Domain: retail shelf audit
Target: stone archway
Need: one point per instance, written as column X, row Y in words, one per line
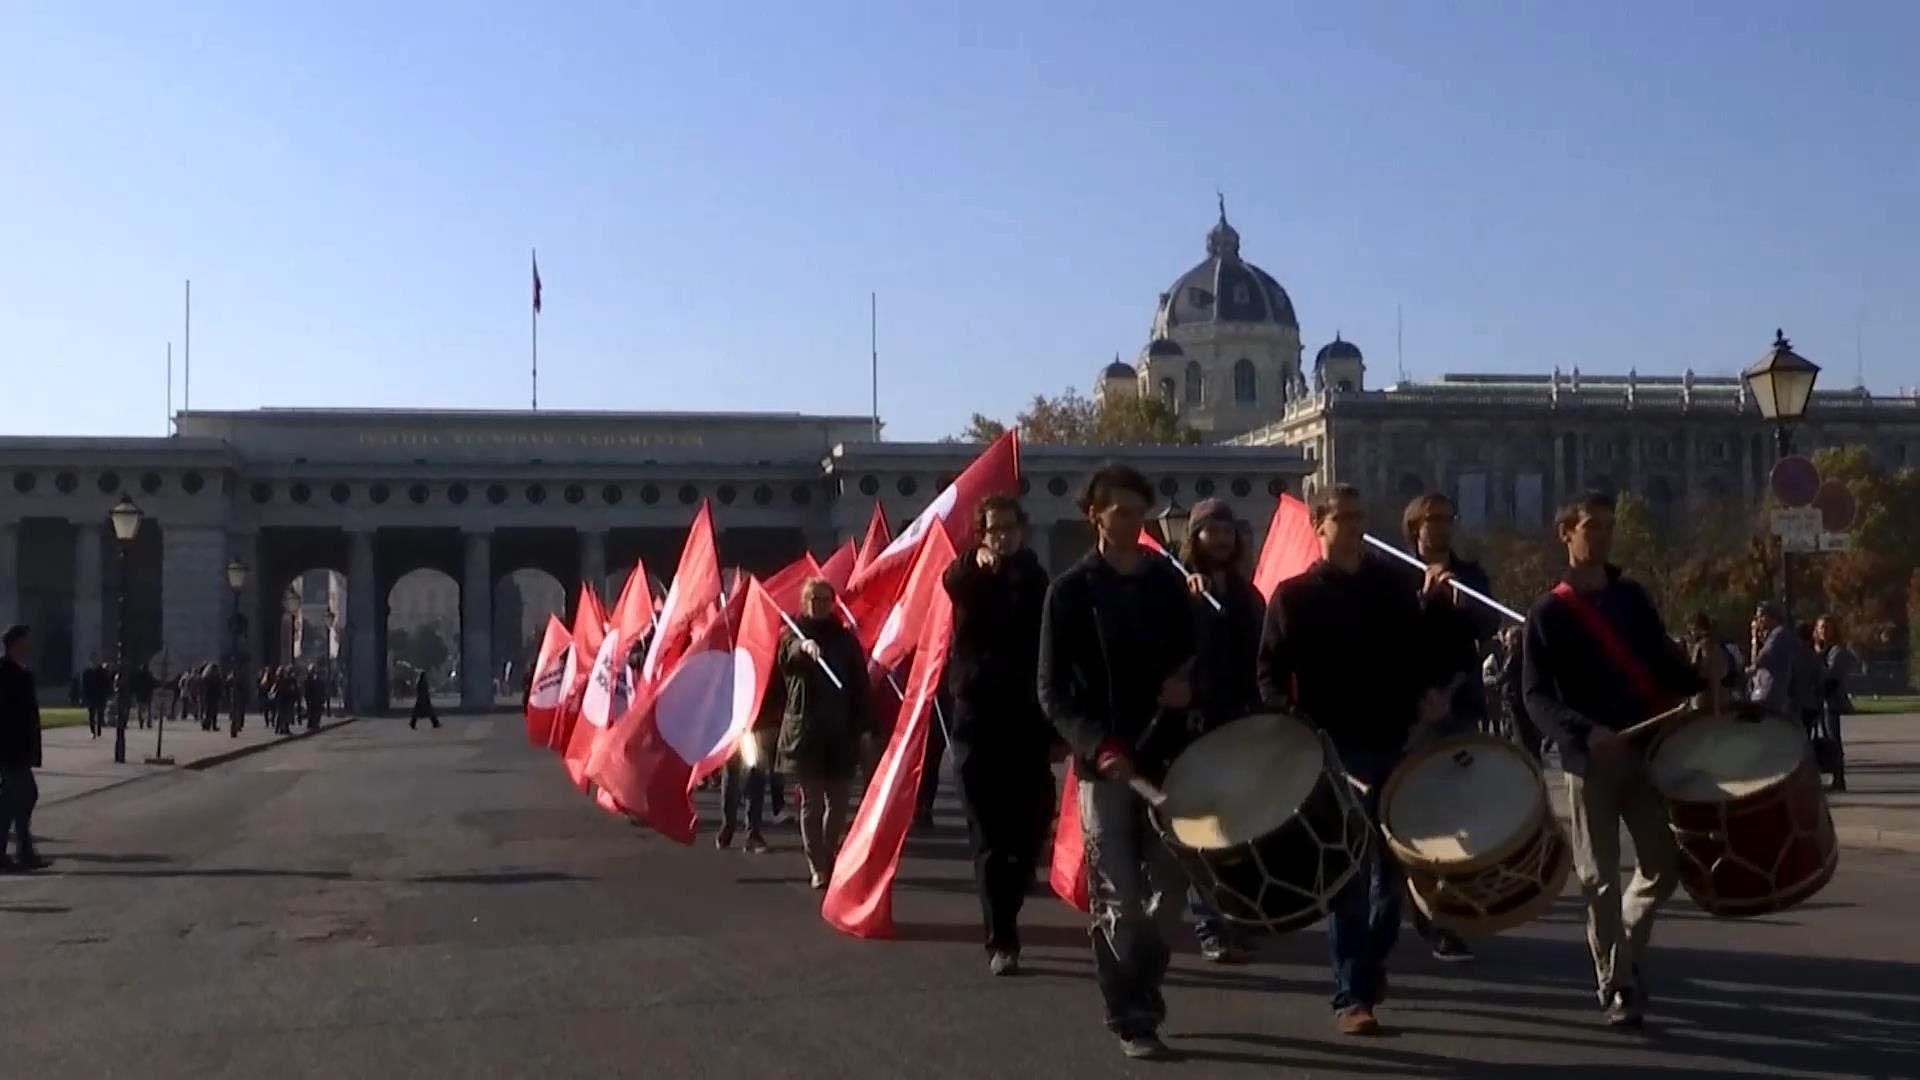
column 423, row 634
column 522, row 602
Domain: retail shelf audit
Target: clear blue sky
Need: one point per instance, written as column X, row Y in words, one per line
column 714, row 189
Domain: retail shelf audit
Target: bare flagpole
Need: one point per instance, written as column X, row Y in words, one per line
column 873, row 344
column 536, row 330
column 186, row 405
column 169, row 387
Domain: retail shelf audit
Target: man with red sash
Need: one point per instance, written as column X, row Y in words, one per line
column 1598, row 660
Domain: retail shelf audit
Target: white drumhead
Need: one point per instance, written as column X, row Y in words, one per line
column 1457, row 805
column 1722, row 758
column 1241, row 781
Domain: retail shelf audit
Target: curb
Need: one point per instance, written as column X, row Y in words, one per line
column 249, row 749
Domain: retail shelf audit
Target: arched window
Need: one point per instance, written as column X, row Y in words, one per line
column 1169, row 395
column 1244, row 389
column 1196, row 383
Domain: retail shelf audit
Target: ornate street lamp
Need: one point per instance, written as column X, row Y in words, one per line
column 1173, row 524
column 125, row 517
column 1781, row 382
column 291, row 605
column 237, row 575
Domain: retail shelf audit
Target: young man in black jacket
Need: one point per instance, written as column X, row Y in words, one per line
column 1001, row 740
column 1597, row 660
column 19, row 751
column 826, row 728
column 1116, row 637
column 1347, row 649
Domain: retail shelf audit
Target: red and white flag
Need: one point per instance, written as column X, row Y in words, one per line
column 550, row 669
column 1067, row 873
column 878, row 536
column 900, row 630
column 589, row 627
column 632, row 613
column 838, row 569
column 859, row 898
column 785, row 585
column 695, row 589
column 686, row 724
column 1291, row 547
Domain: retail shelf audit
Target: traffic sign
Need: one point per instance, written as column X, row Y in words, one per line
column 1794, row 481
column 1836, row 541
column 1836, row 505
column 1798, row 529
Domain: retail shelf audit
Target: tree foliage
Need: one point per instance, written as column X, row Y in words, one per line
column 1073, row 419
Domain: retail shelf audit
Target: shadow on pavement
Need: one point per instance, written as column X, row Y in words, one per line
column 115, row 860
column 35, row 909
column 504, row 877
column 220, row 872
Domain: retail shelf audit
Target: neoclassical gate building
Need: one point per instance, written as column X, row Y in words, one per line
column 374, row 495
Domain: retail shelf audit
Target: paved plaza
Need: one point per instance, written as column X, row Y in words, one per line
column 378, row 902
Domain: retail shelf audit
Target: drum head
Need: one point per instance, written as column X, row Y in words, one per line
column 1242, row 781
column 1717, row 759
column 1461, row 802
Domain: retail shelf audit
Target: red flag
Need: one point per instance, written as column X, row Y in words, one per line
column 632, row 614
column 536, row 283
column 900, row 630
column 687, row 722
column 877, row 538
column 996, row 470
column 859, row 898
column 784, row 586
column 589, row 627
column 695, row 588
column 550, row 668
column 1068, row 873
column 838, row 569
column 609, row 692
column 1291, row 547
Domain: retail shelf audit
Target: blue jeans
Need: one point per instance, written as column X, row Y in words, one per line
column 1208, row 924
column 1365, row 921
column 1136, row 889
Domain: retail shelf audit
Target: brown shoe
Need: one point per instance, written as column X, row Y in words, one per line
column 1356, row 1020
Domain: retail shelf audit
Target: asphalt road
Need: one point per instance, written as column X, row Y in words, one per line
column 376, row 902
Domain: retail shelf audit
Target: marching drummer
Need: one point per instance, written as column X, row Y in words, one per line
column 1320, row 650
column 1115, row 641
column 1598, row 660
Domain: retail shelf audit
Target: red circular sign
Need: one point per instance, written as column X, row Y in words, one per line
column 1836, row 505
column 1794, row 481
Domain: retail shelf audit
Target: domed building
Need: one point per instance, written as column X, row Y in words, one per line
column 1224, row 349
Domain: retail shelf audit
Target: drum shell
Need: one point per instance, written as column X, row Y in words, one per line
column 1757, row 854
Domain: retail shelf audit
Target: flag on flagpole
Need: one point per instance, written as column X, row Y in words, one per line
column 536, row 284
column 1292, row 546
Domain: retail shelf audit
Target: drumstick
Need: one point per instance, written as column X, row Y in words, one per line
column 1652, row 723
column 1464, row 590
column 1145, row 789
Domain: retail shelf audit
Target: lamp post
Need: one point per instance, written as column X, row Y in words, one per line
column 1173, row 525
column 331, row 659
column 291, row 605
column 1781, row 382
column 126, row 525
column 237, row 574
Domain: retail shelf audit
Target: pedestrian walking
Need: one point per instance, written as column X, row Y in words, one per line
column 19, row 751
column 423, row 703
column 824, row 726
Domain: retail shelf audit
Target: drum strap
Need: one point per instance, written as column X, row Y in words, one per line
column 1622, row 659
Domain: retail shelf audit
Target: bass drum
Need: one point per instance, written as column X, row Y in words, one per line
column 1468, row 817
column 1744, row 800
column 1262, row 818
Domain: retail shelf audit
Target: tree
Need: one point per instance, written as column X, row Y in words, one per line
column 1073, row 419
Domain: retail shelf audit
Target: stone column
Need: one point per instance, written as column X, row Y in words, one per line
column 476, row 622
column 194, row 595
column 1690, row 467
column 1747, row 487
column 88, row 601
column 1560, row 493
column 593, row 562
column 245, row 546
column 363, row 609
column 1636, row 464
column 9, row 573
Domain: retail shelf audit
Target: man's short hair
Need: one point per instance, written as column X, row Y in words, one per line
column 1328, row 499
column 1111, row 479
column 816, row 584
column 997, row 501
column 1584, row 506
column 1420, row 509
column 13, row 633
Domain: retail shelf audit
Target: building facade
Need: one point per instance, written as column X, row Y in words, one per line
column 371, row 496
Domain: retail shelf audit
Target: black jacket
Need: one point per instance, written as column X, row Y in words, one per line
column 1569, row 681
column 1227, row 649
column 1460, row 629
column 1350, row 653
column 821, row 727
column 1108, row 642
column 19, row 718
column 993, row 662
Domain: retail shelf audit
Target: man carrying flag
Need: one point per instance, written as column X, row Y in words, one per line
column 823, row 726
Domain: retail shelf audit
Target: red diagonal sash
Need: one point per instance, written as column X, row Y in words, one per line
column 1628, row 665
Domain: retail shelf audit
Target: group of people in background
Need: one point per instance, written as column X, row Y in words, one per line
column 286, row 696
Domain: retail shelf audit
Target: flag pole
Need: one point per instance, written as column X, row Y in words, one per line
column 169, row 387
column 186, row 404
column 873, row 345
column 536, row 330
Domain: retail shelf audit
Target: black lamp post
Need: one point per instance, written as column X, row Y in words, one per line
column 125, row 517
column 1173, row 525
column 1782, row 385
column 237, row 574
column 291, row 605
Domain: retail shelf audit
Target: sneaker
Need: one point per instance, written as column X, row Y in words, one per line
column 1356, row 1020
column 780, row 817
column 724, row 838
column 1623, row 1011
column 1219, row 951
column 818, row 880
column 1004, row 963
column 1449, row 948
column 756, row 844
column 29, row 863
column 1145, row 1047
column 1839, row 785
